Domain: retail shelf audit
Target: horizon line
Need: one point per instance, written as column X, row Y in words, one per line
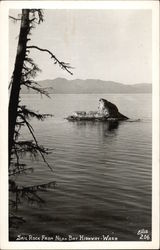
column 94, row 79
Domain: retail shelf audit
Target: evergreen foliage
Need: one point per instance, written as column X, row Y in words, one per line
column 25, row 71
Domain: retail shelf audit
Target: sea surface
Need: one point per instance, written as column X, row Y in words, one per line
column 103, row 171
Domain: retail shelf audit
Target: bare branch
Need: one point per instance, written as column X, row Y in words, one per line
column 14, row 18
column 63, row 65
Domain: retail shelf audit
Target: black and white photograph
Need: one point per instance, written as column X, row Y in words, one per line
column 82, row 131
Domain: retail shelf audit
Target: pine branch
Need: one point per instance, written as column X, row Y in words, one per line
column 35, row 188
column 31, row 147
column 40, row 15
column 40, row 187
column 32, row 72
column 29, row 60
column 31, row 131
column 29, row 192
column 30, row 82
column 31, row 114
column 30, row 85
column 42, row 91
column 36, row 198
column 21, row 171
column 63, row 65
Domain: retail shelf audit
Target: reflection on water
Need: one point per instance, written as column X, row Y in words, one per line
column 105, row 128
column 112, row 125
column 102, row 170
column 105, row 125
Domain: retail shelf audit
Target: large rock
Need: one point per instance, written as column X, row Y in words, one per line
column 110, row 110
column 106, row 111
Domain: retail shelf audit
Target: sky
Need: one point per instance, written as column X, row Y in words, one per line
column 111, row 45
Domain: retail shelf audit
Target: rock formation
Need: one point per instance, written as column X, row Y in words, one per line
column 110, row 110
column 106, row 111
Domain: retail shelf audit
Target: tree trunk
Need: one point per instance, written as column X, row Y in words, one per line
column 17, row 75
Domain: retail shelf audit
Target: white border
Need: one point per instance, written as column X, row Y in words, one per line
column 4, row 8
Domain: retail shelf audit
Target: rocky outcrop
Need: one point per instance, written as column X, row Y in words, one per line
column 106, row 111
column 109, row 109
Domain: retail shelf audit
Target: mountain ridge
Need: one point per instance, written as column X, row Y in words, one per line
column 89, row 86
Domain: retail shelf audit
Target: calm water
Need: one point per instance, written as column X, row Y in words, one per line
column 103, row 171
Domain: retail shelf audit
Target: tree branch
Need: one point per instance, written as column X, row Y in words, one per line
column 31, row 131
column 27, row 113
column 42, row 91
column 14, row 18
column 63, row 65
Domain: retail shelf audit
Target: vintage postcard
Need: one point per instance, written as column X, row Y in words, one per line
column 80, row 124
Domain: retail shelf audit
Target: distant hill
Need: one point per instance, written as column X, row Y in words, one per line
column 78, row 86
